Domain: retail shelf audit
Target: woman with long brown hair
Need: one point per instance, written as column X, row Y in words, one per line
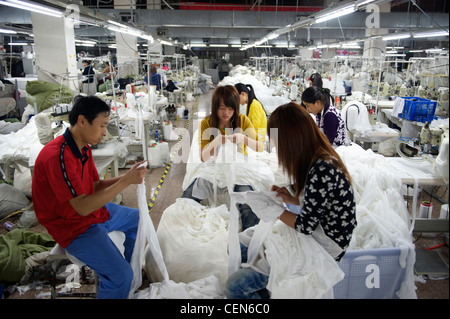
column 320, row 179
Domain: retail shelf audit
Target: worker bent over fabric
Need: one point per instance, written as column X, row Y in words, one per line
column 320, row 179
column 225, row 124
column 73, row 204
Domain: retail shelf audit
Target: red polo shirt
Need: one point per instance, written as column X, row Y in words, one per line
column 62, row 172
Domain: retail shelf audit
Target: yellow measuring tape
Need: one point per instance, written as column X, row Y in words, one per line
column 168, row 166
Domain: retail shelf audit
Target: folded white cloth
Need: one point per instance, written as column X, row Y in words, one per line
column 265, row 205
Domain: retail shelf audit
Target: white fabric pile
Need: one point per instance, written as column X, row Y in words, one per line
column 263, row 93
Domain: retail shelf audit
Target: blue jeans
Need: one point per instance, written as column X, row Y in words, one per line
column 97, row 250
column 247, row 283
column 248, row 217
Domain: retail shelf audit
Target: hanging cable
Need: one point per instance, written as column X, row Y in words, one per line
column 432, row 21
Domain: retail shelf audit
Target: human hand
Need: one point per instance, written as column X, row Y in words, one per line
column 285, row 195
column 264, row 206
column 236, row 138
column 136, row 173
column 220, row 140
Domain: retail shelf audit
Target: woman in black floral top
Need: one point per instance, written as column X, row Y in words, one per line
column 328, row 207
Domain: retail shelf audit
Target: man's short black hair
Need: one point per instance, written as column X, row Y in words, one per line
column 89, row 106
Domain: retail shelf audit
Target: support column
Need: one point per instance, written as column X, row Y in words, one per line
column 127, row 54
column 127, row 51
column 54, row 45
column 374, row 47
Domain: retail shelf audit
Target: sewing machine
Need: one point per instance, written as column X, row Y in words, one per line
column 430, row 139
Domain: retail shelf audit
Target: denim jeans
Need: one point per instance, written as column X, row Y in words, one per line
column 247, row 283
column 98, row 251
column 248, row 217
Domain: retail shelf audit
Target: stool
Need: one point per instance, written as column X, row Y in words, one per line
column 58, row 254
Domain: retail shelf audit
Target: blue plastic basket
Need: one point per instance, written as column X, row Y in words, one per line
column 418, row 109
column 356, row 266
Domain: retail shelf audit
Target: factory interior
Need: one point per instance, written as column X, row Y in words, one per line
column 158, row 65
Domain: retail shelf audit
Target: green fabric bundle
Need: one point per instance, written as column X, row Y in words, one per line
column 47, row 94
column 18, row 245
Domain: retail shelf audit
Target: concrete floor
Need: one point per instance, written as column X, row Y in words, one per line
column 171, row 189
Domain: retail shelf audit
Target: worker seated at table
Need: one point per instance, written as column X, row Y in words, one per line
column 254, row 109
column 323, row 191
column 73, row 204
column 155, row 79
column 328, row 118
column 226, row 124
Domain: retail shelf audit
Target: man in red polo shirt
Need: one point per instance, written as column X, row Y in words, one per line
column 73, row 204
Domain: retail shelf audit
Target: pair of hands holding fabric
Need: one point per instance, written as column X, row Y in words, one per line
column 269, row 205
column 236, row 138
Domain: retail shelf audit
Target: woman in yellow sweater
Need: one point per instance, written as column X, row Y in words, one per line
column 225, row 123
column 255, row 111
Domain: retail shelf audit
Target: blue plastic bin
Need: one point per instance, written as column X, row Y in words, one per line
column 358, row 266
column 418, row 109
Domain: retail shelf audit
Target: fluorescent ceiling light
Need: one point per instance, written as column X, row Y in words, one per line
column 395, row 48
column 263, row 46
column 272, row 36
column 415, row 51
column 84, row 45
column 235, row 45
column 363, row 2
column 335, row 13
column 195, row 45
column 430, row 34
column 8, row 31
column 18, row 43
column 391, row 51
column 347, row 46
column 322, row 46
column 85, row 41
column 396, row 37
column 336, row 45
column 219, row 45
column 395, row 55
column 433, row 50
column 312, row 48
column 117, row 23
column 32, row 7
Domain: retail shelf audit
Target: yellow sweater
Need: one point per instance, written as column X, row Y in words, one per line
column 259, row 119
column 246, row 126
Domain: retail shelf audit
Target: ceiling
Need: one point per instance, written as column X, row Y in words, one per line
column 238, row 22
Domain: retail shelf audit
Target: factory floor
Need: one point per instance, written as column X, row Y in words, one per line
column 171, row 178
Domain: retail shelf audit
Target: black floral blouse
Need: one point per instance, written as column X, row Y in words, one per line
column 328, row 201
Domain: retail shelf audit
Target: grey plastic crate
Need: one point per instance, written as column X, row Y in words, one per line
column 358, row 266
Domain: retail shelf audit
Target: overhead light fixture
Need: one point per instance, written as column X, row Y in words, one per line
column 363, row 2
column 322, row 46
column 311, row 48
column 32, row 7
column 18, row 43
column 196, row 45
column 395, row 48
column 8, row 31
column 430, row 34
column 414, row 51
column 272, row 36
column 263, row 46
column 334, row 45
column 396, row 36
column 336, row 13
column 85, row 45
column 236, row 45
column 391, row 51
column 218, row 45
column 395, row 55
column 433, row 50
